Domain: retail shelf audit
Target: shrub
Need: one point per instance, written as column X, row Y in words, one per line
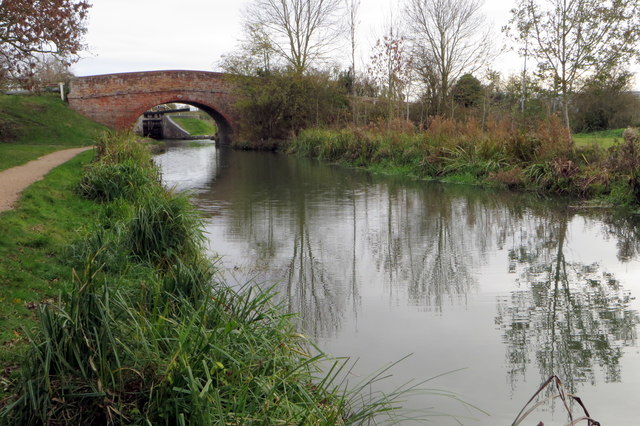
column 165, row 227
column 107, row 181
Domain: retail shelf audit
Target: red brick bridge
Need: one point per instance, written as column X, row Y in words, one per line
column 117, row 100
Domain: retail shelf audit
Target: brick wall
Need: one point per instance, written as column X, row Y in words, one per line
column 117, row 100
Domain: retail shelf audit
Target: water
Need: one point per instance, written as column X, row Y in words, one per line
column 500, row 289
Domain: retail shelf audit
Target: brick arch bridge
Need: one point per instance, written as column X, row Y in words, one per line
column 117, row 100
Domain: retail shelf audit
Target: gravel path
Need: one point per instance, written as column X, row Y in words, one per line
column 13, row 181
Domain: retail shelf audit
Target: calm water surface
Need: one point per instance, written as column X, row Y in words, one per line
column 506, row 287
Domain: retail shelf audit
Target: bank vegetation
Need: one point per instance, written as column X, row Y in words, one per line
column 144, row 332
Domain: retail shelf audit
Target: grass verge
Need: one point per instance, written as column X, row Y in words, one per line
column 142, row 331
column 33, row 269
column 196, row 126
column 604, row 139
column 31, row 126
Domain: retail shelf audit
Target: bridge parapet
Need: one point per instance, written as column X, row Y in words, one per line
column 117, row 100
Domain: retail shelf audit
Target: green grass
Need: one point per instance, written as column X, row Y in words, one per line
column 35, row 235
column 196, row 126
column 603, row 138
column 12, row 155
column 31, row 126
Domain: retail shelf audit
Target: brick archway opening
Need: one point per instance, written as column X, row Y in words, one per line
column 117, row 100
column 225, row 130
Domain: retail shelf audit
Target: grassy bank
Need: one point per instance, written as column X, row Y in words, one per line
column 33, row 268
column 31, row 126
column 196, row 126
column 127, row 322
column 604, row 139
column 543, row 159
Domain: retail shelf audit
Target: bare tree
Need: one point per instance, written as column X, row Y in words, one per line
column 450, row 38
column 574, row 39
column 299, row 31
column 252, row 57
column 353, row 10
column 391, row 68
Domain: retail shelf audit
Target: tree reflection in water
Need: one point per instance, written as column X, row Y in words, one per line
column 568, row 316
column 366, row 260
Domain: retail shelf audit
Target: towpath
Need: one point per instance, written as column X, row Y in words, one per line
column 13, row 181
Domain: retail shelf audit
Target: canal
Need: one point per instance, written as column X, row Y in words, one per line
column 497, row 290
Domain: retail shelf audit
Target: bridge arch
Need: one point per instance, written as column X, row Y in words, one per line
column 117, row 100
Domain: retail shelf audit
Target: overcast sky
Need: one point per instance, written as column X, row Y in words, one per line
column 144, row 35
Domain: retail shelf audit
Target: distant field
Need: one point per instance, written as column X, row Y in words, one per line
column 604, row 138
column 195, row 126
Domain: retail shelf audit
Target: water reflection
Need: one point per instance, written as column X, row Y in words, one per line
column 536, row 284
column 566, row 315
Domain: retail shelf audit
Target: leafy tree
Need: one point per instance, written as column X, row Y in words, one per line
column 298, row 31
column 572, row 39
column 31, row 28
column 449, row 38
column 467, row 91
column 605, row 102
column 278, row 106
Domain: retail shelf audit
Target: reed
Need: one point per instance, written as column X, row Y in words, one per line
column 542, row 158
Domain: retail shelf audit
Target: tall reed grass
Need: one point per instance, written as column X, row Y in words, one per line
column 541, row 158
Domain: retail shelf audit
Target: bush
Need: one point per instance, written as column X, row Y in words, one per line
column 106, row 181
column 164, row 227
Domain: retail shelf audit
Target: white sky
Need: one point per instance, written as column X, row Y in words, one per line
column 145, row 35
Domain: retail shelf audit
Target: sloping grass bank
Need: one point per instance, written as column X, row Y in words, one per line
column 31, row 126
column 142, row 332
column 543, row 159
column 196, row 126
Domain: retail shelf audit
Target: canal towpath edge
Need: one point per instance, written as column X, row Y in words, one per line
column 16, row 179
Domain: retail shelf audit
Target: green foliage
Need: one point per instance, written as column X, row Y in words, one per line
column 123, row 168
column 108, row 181
column 467, row 91
column 278, row 106
column 164, row 227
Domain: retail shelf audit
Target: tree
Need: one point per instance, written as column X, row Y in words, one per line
column 31, row 28
column 605, row 102
column 391, row 68
column 449, row 39
column 253, row 57
column 299, row 31
column 467, row 91
column 574, row 39
column 353, row 9
column 46, row 72
column 277, row 107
